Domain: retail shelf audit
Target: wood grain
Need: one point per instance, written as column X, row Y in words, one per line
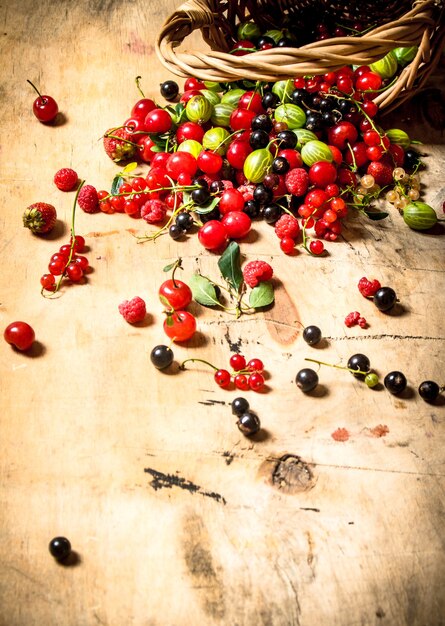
column 176, row 518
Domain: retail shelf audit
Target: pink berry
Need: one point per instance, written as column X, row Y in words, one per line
column 133, row 310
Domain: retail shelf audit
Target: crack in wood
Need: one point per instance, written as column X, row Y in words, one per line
column 167, row 481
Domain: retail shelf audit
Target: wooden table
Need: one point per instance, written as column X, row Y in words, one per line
column 175, row 517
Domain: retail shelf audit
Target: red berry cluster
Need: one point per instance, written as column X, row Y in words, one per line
column 368, row 287
column 66, row 263
column 354, row 318
column 245, row 375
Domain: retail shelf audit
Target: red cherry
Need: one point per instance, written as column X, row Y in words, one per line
column 158, row 121
column 237, row 153
column 190, row 130
column 252, row 101
column 20, row 335
column 193, row 83
column 177, row 293
column 142, row 108
column 209, row 162
column 213, row 235
column 231, row 200
column 181, row 163
column 341, row 133
column 180, row 326
column 45, row 108
column 241, row 119
column 237, row 224
column 322, row 173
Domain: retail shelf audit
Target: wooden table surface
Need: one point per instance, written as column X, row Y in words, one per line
column 175, row 517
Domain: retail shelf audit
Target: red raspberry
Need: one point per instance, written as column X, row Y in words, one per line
column 257, row 272
column 133, row 310
column 368, row 287
column 40, row 217
column 297, row 181
column 153, row 211
column 88, row 199
column 227, row 184
column 287, row 226
column 118, row 145
column 66, row 179
column 382, row 172
column 352, row 319
column 362, row 322
column 247, row 191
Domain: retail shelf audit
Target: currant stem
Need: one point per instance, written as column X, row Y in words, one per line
column 340, row 367
column 181, row 367
column 137, row 79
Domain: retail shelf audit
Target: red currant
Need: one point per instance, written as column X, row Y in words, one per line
column 74, row 272
column 316, row 247
column 256, row 381
column 241, row 382
column 287, row 245
column 48, row 282
column 237, row 362
column 222, row 378
column 255, row 365
column 322, row 174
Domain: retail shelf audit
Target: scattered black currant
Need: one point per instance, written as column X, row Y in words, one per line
column 359, row 364
column 60, row 548
column 184, row 221
column 262, row 122
column 252, row 209
column 216, row 186
column 169, row 90
column 306, row 379
column 175, row 231
column 271, row 213
column 239, row 406
column 312, row 335
column 161, row 356
column 280, row 165
column 249, row 423
column 262, row 194
column 385, row 298
column 301, row 97
column 270, row 100
column 286, row 139
column 429, row 390
column 395, row 382
column 263, row 40
column 200, row 196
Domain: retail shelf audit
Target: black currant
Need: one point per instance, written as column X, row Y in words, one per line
column 385, row 298
column 312, row 335
column 262, row 194
column 60, row 548
column 214, row 214
column 306, row 379
column 301, row 97
column 429, row 390
column 316, row 99
column 285, row 42
column 184, row 220
column 360, row 363
column 249, row 423
column 412, row 159
column 327, row 104
column 216, row 186
column 262, row 122
column 395, row 382
column 344, row 106
column 258, row 139
column 264, row 40
column 161, row 356
column 240, row 406
column 201, row 182
column 169, row 90
column 329, row 118
column 314, row 121
column 280, row 165
column 200, row 196
column 252, row 209
column 271, row 180
column 271, row 213
column 286, row 139
column 270, row 100
column 175, row 231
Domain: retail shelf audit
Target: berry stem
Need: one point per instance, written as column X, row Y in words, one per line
column 340, row 367
column 181, row 367
column 137, row 80
column 35, row 88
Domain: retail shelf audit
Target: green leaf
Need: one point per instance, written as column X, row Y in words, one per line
column 261, row 295
column 202, row 210
column 129, row 168
column 376, row 215
column 203, row 290
column 230, row 265
column 169, row 267
column 117, row 183
column 164, row 301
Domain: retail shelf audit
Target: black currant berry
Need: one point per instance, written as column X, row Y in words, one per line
column 262, row 194
column 286, row 139
column 385, row 298
column 312, row 335
column 262, row 122
column 264, row 40
column 280, row 165
column 239, row 406
column 252, row 209
column 395, row 382
column 285, row 42
column 60, row 548
column 271, row 180
column 169, row 90
column 270, row 100
column 161, row 356
column 184, row 221
column 259, row 139
column 344, row 106
column 301, row 97
column 175, row 231
column 314, row 122
column 216, row 186
column 429, row 390
column 360, row 363
column 306, row 379
column 327, row 104
column 200, row 196
column 201, row 182
column 249, row 423
column 412, row 159
column 214, row 214
column 271, row 213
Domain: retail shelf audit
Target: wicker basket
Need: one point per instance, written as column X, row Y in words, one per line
column 413, row 24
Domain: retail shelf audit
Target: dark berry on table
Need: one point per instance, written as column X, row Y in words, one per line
column 249, row 423
column 312, row 335
column 184, row 221
column 306, row 379
column 258, row 139
column 412, row 159
column 175, row 231
column 216, row 186
column 395, row 382
column 429, row 390
column 200, row 196
column 60, row 548
column 360, row 363
column 161, row 356
column 286, row 139
column 262, row 194
column 280, row 165
column 252, row 209
column 385, row 298
column 239, row 406
column 169, row 90
column 212, row 215
column 271, row 213
column 262, row 122
column 270, row 100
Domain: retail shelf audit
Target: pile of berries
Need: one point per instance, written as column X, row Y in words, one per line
column 67, row 263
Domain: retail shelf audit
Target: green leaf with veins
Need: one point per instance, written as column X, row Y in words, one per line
column 229, row 265
column 117, row 183
column 169, row 267
column 203, row 290
column 261, row 295
column 202, row 210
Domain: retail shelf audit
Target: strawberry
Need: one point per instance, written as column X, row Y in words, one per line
column 382, row 172
column 117, row 144
column 40, row 217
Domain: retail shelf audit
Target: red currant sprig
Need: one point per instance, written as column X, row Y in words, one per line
column 245, row 376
